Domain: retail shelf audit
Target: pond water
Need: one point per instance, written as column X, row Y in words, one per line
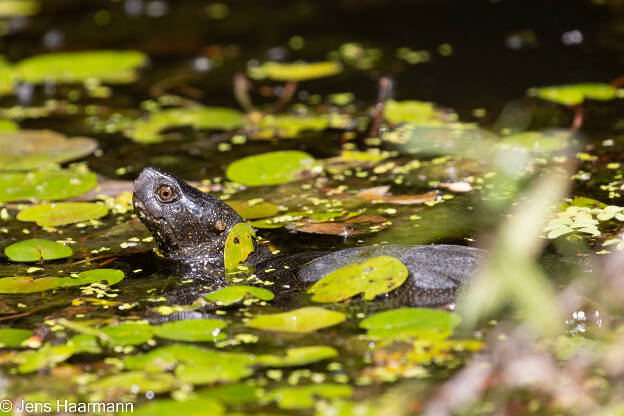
column 421, row 121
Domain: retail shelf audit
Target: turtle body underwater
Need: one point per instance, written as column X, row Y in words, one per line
column 191, row 227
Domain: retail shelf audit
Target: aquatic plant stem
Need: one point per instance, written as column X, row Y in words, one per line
column 241, row 92
column 579, row 116
column 384, row 88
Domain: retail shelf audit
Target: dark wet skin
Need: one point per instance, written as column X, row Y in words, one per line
column 191, row 227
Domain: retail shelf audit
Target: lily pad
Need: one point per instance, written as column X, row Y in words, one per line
column 13, row 337
column 62, row 213
column 200, row 406
column 75, row 67
column 290, row 126
column 373, row 277
column 196, row 365
column 239, row 245
column 128, row 333
column 233, row 294
column 304, row 397
column 7, row 125
column 11, row 8
column 135, row 381
column 300, row 356
column 415, row 112
column 535, row 141
column 575, row 94
column 45, row 184
column 271, row 168
column 45, row 357
column 213, row 118
column 411, row 322
column 28, row 284
column 194, row 330
column 299, row 71
column 36, row 249
column 32, row 149
column 252, row 211
column 301, row 320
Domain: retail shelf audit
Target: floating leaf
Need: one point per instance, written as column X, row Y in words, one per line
column 290, row 126
column 36, row 249
column 194, row 330
column 75, row 67
column 7, row 125
column 415, row 112
column 300, row 356
column 411, row 322
column 549, row 141
column 196, row 365
column 62, row 213
column 13, row 337
column 85, row 343
column 359, row 225
column 252, row 211
column 233, row 294
column 239, row 245
column 45, row 357
column 233, row 393
column 45, row 184
column 302, row 320
column 304, row 397
column 381, row 194
column 373, row 277
column 299, row 71
column 213, row 118
column 271, row 168
column 32, row 149
column 128, row 333
column 200, row 406
column 28, row 284
column 575, row 94
column 135, row 381
column 11, row 8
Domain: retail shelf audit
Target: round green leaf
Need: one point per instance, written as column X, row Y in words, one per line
column 297, row 321
column 74, row 67
column 128, row 333
column 196, row 330
column 233, row 294
column 36, row 249
column 13, row 337
column 575, row 94
column 290, row 126
column 32, row 149
column 239, row 245
column 7, row 125
column 251, row 211
column 213, row 118
column 62, row 213
column 299, row 71
column 371, row 278
column 27, row 284
column 415, row 112
column 135, row 380
column 271, row 168
column 45, row 184
column 300, row 356
column 304, row 397
column 168, row 407
column 408, row 322
column 535, row 141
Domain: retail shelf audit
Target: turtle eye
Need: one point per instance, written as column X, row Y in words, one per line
column 165, row 193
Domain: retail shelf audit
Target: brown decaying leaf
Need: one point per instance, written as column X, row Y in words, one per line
column 359, row 225
column 381, row 194
column 456, row 186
